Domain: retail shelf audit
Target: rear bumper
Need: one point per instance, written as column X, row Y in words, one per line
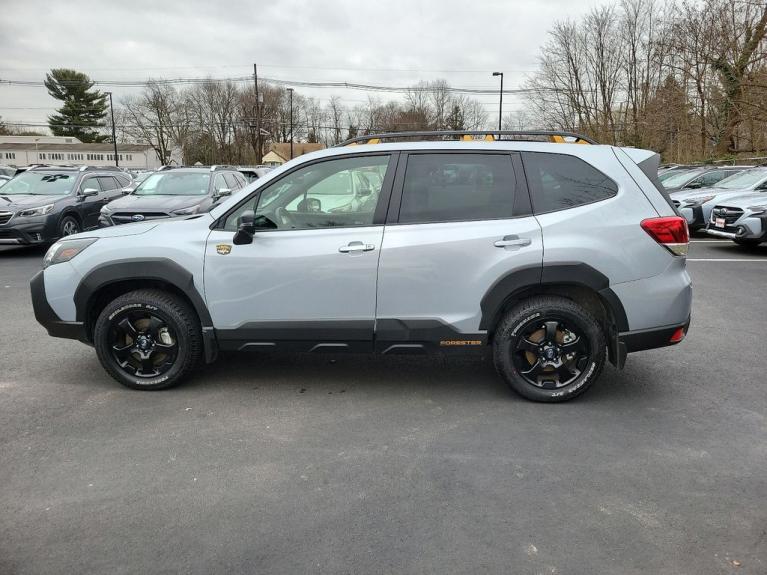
column 654, row 338
column 46, row 317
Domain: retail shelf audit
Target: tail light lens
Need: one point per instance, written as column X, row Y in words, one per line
column 670, row 232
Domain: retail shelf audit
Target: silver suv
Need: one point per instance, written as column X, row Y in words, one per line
column 556, row 255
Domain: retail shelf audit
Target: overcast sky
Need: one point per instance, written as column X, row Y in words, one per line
column 391, row 42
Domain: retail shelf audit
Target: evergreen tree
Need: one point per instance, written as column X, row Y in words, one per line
column 84, row 108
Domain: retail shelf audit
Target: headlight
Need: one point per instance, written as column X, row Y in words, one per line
column 65, row 250
column 186, row 211
column 757, row 209
column 695, row 202
column 41, row 211
column 106, row 210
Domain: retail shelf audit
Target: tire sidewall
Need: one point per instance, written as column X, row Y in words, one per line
column 101, row 336
column 512, row 332
column 63, row 222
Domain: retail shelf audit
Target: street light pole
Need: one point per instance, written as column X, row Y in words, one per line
column 500, row 101
column 114, row 138
column 290, row 91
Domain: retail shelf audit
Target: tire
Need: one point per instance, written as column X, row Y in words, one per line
column 523, row 350
column 68, row 226
column 748, row 242
column 137, row 353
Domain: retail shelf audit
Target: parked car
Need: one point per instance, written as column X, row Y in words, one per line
column 3, row 180
column 696, row 205
column 663, row 175
column 445, row 254
column 743, row 219
column 252, row 173
column 699, row 178
column 41, row 205
column 173, row 192
column 137, row 178
column 8, row 171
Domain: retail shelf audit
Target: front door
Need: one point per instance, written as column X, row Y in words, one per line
column 308, row 279
column 90, row 206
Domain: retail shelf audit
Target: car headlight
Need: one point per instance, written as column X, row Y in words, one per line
column 695, row 202
column 41, row 211
column 105, row 210
column 186, row 211
column 757, row 209
column 64, row 250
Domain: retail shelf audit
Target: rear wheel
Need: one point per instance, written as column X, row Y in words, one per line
column 548, row 348
column 148, row 339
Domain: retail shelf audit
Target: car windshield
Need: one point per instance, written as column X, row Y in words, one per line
column 40, row 184
column 679, row 179
column 174, row 184
column 742, row 180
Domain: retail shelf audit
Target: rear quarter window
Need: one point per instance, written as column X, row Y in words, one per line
column 559, row 182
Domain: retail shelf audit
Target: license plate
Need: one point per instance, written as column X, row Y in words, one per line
column 719, row 222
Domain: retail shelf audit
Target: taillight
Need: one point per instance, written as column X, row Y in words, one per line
column 670, row 232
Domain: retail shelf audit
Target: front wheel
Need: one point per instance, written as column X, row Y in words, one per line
column 68, row 226
column 148, row 339
column 548, row 348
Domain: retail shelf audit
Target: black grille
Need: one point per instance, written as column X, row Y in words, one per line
column 128, row 217
column 730, row 215
column 4, row 217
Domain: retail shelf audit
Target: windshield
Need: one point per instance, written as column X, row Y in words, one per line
column 742, row 180
column 174, row 184
column 40, row 184
column 679, row 179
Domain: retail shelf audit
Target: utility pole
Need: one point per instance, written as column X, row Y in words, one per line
column 114, row 138
column 290, row 91
column 259, row 155
column 500, row 103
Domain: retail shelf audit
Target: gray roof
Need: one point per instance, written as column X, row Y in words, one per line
column 78, row 147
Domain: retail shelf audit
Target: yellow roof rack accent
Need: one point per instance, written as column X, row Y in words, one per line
column 489, row 138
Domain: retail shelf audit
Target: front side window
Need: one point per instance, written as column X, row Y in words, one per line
column 456, row 187
column 40, row 184
column 335, row 193
column 174, row 184
column 559, row 182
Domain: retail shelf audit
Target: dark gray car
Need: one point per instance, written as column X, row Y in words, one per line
column 173, row 192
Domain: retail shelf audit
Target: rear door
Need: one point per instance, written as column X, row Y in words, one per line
column 458, row 223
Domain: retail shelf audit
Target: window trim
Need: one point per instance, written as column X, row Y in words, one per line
column 532, row 193
column 522, row 207
column 384, row 197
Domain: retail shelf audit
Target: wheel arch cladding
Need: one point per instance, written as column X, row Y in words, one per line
column 160, row 270
column 520, row 283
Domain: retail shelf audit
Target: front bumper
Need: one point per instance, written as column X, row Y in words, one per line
column 46, row 317
column 27, row 231
column 694, row 216
column 746, row 228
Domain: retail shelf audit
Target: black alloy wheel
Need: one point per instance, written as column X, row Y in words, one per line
column 142, row 343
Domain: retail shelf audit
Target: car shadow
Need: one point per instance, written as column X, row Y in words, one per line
column 7, row 252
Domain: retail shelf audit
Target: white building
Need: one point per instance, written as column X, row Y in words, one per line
column 61, row 150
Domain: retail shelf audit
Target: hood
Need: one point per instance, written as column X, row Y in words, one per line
column 718, row 192
column 742, row 200
column 150, row 203
column 17, row 201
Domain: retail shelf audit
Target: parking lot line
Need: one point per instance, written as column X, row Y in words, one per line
column 710, row 241
column 726, row 260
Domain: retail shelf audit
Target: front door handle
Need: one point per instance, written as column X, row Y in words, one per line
column 353, row 247
column 511, row 241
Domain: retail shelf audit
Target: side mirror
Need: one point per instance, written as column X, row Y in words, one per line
column 87, row 192
column 246, row 227
column 364, row 192
column 223, row 192
column 694, row 185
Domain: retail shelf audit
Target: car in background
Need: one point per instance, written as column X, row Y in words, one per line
column 137, row 178
column 44, row 204
column 173, row 192
column 704, row 177
column 252, row 173
column 8, row 171
column 3, row 180
column 673, row 170
column 696, row 205
column 742, row 219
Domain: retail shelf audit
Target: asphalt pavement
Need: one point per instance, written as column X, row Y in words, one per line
column 362, row 464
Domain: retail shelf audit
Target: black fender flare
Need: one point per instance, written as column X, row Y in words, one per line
column 565, row 273
column 158, row 269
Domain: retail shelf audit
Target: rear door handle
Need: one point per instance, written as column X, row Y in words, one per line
column 511, row 241
column 353, row 247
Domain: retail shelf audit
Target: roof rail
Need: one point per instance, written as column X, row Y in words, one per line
column 216, row 167
column 555, row 136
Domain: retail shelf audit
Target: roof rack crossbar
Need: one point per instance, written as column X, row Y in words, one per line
column 553, row 135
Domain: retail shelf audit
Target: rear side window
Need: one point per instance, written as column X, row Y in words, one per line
column 559, row 182
column 455, row 187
